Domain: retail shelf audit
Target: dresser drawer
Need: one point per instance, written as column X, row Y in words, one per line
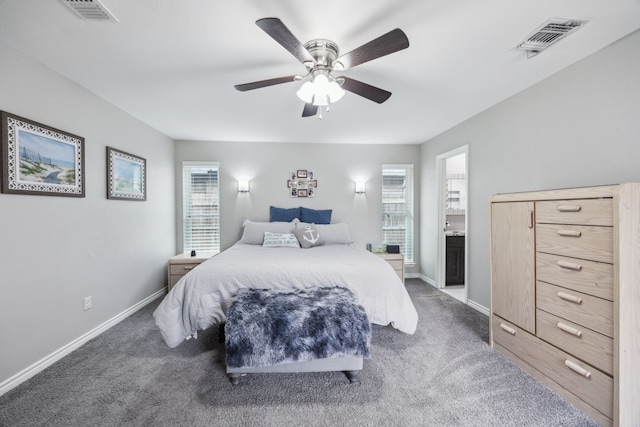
column 585, row 212
column 589, row 384
column 576, row 241
column 182, row 268
column 586, row 310
column 585, row 344
column 589, row 277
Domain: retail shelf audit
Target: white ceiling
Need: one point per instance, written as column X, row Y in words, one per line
column 173, row 63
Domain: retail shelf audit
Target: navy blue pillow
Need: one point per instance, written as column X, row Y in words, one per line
column 283, row 215
column 315, row 216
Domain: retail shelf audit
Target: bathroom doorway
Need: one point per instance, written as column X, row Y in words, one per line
column 453, row 212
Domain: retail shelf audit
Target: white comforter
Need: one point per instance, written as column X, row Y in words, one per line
column 201, row 298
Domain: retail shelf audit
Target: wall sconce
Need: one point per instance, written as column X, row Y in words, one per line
column 360, row 187
column 243, row 186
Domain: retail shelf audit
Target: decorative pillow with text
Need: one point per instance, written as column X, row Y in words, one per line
column 279, row 240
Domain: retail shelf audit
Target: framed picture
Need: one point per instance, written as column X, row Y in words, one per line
column 126, row 176
column 302, row 183
column 40, row 160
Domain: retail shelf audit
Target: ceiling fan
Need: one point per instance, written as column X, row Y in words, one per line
column 320, row 57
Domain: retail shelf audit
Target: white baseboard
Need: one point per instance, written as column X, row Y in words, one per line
column 482, row 309
column 49, row 360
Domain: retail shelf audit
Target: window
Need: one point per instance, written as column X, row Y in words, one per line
column 397, row 208
column 200, row 207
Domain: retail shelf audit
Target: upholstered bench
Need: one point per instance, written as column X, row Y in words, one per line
column 300, row 330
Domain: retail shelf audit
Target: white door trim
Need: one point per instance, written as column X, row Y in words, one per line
column 441, row 185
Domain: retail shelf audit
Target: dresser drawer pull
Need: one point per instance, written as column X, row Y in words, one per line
column 569, row 233
column 577, row 368
column 188, row 267
column 507, row 329
column 569, row 208
column 570, row 265
column 570, row 298
column 569, row 329
column 530, row 219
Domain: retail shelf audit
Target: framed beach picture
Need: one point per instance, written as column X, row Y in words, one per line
column 40, row 160
column 126, row 176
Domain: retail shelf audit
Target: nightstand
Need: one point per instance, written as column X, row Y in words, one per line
column 180, row 265
column 396, row 261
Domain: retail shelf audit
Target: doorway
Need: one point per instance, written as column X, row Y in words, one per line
column 453, row 212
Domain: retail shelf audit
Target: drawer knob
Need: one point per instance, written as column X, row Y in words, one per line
column 569, row 208
column 507, row 329
column 569, row 233
column 569, row 329
column 571, row 298
column 570, row 265
column 577, row 368
column 188, row 267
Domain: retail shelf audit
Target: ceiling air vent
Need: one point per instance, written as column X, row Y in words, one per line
column 547, row 34
column 91, row 10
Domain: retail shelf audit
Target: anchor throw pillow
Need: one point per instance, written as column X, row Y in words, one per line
column 308, row 236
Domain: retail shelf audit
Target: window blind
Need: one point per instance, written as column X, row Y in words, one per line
column 397, row 208
column 200, row 206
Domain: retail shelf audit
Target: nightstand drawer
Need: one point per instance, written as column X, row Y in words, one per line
column 586, row 310
column 585, row 212
column 396, row 265
column 396, row 261
column 180, row 265
column 182, row 268
column 576, row 241
column 589, row 277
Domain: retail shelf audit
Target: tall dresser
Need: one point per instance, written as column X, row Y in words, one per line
column 565, row 294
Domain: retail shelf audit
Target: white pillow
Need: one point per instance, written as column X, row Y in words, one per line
column 332, row 234
column 279, row 240
column 253, row 233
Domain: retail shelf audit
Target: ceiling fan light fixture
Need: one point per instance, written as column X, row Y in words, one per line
column 305, row 93
column 320, row 91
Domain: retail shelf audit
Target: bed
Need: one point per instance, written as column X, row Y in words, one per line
column 202, row 298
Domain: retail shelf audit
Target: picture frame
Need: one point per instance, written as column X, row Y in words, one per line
column 126, row 176
column 40, row 160
column 302, row 183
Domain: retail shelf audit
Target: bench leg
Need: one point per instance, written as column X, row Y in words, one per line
column 235, row 378
column 352, row 376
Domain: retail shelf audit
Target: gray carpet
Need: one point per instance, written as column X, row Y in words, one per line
column 444, row 375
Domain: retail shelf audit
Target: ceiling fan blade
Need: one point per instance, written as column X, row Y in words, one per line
column 264, row 83
column 309, row 110
column 390, row 42
column 372, row 93
column 280, row 33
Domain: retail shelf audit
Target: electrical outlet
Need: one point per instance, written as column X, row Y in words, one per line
column 87, row 303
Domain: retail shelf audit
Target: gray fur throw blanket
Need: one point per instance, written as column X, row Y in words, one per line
column 266, row 327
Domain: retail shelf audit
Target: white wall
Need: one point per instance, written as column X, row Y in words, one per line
column 54, row 251
column 267, row 166
column 580, row 127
